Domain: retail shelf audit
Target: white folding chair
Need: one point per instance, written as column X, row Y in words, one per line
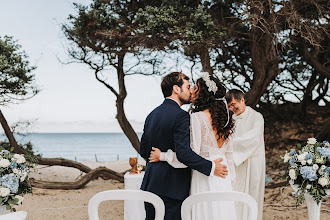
column 219, row 196
column 95, row 201
column 20, row 215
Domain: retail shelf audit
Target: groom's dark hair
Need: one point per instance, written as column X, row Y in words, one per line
column 234, row 93
column 174, row 78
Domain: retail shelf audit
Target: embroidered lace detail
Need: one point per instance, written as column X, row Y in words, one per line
column 209, row 146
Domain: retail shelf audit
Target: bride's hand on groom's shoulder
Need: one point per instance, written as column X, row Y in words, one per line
column 220, row 169
column 154, row 155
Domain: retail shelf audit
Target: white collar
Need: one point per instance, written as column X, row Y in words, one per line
column 242, row 115
column 173, row 100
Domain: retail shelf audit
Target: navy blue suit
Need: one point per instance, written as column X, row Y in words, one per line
column 168, row 127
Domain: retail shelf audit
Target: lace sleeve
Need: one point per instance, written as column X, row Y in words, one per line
column 195, row 134
column 230, row 160
column 171, row 159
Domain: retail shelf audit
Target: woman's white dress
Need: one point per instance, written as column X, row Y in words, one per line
column 204, row 143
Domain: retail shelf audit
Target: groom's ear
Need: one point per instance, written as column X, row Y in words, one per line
column 176, row 89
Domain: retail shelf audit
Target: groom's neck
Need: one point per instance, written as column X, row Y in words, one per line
column 175, row 98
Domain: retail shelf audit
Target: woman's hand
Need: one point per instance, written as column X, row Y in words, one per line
column 154, row 155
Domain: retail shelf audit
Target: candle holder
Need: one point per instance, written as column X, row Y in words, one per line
column 133, row 162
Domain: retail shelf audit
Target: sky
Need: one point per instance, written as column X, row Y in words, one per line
column 71, row 99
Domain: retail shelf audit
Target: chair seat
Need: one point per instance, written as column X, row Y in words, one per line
column 20, row 215
column 95, row 201
column 219, row 196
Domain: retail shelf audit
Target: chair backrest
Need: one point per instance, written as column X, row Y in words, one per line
column 20, row 215
column 219, row 196
column 95, row 201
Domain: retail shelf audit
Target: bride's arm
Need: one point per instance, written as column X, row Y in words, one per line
column 169, row 156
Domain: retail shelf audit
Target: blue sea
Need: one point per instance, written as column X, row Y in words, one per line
column 80, row 146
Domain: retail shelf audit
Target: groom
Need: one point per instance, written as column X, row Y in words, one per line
column 167, row 127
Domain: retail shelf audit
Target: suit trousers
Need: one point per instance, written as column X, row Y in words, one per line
column 172, row 209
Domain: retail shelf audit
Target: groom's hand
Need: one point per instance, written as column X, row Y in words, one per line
column 154, row 155
column 220, row 169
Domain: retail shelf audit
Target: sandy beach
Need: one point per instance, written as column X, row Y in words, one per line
column 72, row 204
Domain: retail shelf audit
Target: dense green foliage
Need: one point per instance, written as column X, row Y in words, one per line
column 275, row 51
column 16, row 77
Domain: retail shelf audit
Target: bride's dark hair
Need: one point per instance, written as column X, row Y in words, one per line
column 217, row 108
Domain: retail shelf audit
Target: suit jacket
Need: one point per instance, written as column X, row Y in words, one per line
column 168, row 127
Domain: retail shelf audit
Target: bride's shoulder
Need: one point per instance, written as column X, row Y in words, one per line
column 196, row 116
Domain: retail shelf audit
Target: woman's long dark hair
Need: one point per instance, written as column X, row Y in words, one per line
column 217, row 108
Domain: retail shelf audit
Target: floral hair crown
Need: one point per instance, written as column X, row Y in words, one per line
column 212, row 87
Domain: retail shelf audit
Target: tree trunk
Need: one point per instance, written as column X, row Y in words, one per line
column 10, row 135
column 324, row 135
column 264, row 60
column 94, row 174
column 121, row 117
column 205, row 59
column 63, row 162
column 308, row 94
column 312, row 59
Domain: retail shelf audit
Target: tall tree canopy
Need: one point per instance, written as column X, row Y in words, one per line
column 275, row 51
column 246, row 42
column 17, row 81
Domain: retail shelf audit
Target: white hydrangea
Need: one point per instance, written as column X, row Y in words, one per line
column 4, row 163
column 323, row 181
column 308, row 186
column 19, row 158
column 311, row 141
column 4, row 191
column 310, row 161
column 315, row 167
column 292, row 174
column 302, row 156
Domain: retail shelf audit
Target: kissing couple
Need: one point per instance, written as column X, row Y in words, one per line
column 187, row 153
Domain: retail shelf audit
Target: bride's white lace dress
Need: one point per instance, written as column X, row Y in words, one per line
column 204, row 143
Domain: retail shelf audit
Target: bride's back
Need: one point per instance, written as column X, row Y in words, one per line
column 209, row 145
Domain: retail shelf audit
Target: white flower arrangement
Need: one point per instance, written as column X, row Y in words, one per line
column 14, row 171
column 309, row 169
column 211, row 85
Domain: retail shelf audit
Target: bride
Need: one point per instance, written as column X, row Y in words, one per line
column 210, row 130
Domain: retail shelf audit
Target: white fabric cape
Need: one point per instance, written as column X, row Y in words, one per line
column 249, row 158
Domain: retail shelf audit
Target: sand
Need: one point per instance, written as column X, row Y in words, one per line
column 73, row 204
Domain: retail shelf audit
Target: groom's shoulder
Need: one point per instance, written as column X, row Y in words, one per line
column 169, row 112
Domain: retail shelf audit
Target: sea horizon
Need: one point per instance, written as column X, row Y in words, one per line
column 80, row 146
